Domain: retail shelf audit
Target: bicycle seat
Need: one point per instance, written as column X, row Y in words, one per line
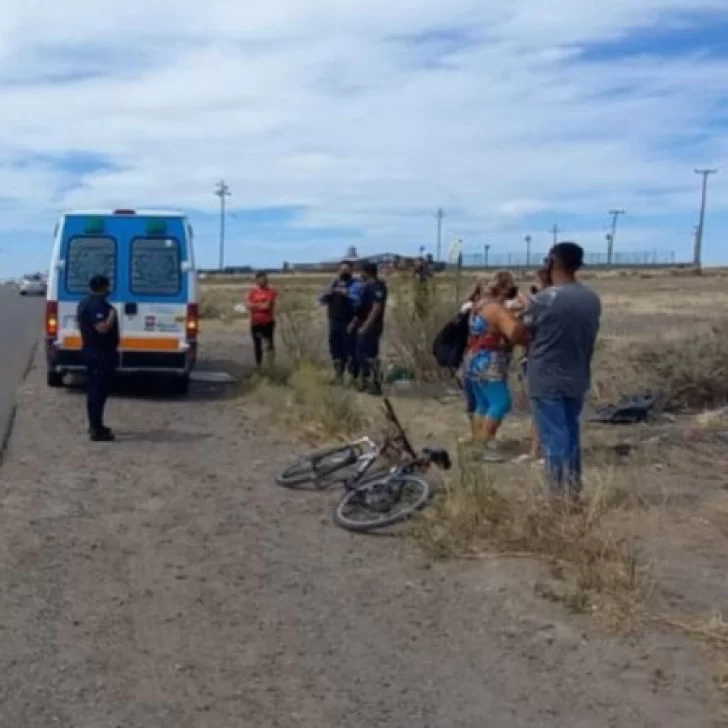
column 439, row 456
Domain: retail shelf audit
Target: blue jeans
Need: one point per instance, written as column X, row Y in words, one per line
column 557, row 422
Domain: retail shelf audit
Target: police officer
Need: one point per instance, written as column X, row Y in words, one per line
column 342, row 299
column 369, row 326
column 99, row 327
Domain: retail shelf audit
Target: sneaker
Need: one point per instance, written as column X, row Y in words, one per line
column 105, row 435
column 491, row 454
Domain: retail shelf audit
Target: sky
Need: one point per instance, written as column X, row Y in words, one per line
column 337, row 123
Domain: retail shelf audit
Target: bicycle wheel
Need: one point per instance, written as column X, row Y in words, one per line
column 382, row 502
column 315, row 468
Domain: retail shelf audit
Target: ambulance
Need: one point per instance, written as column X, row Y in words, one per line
column 149, row 259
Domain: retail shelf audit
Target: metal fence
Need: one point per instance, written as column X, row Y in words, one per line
column 628, row 259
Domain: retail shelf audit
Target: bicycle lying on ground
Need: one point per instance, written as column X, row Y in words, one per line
column 372, row 499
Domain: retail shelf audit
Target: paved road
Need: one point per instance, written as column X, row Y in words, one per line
column 20, row 325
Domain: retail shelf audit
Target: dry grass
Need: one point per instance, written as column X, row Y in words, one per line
column 594, row 563
column 298, row 398
column 711, row 632
column 218, row 302
column 660, row 333
column 687, row 372
column 417, row 315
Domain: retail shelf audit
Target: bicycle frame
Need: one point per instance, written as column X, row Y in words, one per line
column 367, row 460
column 401, row 436
column 363, row 441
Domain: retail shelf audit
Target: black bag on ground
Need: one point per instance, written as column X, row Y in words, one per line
column 448, row 348
column 629, row 411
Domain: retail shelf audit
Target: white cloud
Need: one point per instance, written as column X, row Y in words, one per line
column 320, row 103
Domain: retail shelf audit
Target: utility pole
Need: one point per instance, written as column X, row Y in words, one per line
column 555, row 232
column 222, row 191
column 486, row 250
column 439, row 215
column 528, row 250
column 610, row 240
column 698, row 252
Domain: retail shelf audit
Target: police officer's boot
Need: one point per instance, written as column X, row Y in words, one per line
column 374, row 387
column 105, row 435
column 338, row 377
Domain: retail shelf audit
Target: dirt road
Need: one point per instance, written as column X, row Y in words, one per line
column 165, row 582
column 20, row 324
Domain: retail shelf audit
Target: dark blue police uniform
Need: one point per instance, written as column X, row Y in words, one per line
column 100, row 357
column 374, row 292
column 342, row 300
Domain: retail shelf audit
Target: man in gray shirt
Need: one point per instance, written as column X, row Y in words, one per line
column 564, row 323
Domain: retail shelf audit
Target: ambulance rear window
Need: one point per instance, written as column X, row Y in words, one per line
column 155, row 267
column 88, row 257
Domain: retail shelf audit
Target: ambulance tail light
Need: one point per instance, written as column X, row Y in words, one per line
column 193, row 321
column 51, row 319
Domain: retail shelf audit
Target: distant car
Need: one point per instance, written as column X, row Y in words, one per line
column 32, row 286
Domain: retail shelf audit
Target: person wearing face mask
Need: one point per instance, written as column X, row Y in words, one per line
column 342, row 299
column 99, row 326
column 493, row 332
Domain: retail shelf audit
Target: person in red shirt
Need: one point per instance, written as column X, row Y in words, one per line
column 261, row 305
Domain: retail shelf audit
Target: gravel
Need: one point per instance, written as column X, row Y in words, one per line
column 164, row 581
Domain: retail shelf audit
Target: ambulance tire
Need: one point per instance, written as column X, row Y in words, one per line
column 55, row 380
column 180, row 385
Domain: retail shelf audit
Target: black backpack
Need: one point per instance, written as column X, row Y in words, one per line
column 448, row 348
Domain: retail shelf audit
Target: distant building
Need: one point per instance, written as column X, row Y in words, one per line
column 391, row 260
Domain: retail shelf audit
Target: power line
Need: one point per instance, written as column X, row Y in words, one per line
column 439, row 216
column 698, row 252
column 222, row 191
column 610, row 239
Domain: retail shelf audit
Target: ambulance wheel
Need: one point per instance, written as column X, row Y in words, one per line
column 180, row 385
column 55, row 380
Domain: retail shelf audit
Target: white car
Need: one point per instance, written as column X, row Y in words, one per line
column 32, row 286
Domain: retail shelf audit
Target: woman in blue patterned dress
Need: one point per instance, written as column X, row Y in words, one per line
column 494, row 331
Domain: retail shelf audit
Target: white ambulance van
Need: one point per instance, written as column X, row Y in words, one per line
column 149, row 259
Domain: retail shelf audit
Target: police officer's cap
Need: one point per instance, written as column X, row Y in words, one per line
column 98, row 283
